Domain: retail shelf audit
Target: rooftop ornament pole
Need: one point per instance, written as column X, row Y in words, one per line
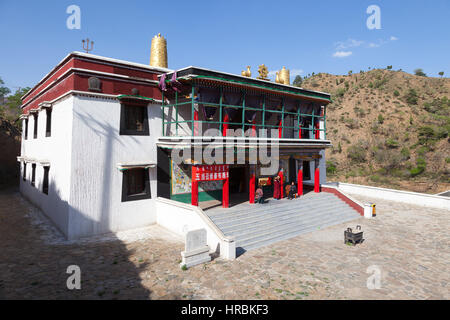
column 86, row 48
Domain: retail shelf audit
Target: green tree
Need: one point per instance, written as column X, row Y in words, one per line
column 389, row 67
column 441, row 73
column 419, row 72
column 3, row 90
column 298, row 81
column 15, row 101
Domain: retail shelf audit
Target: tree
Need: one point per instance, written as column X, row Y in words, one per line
column 3, row 90
column 298, row 81
column 441, row 73
column 389, row 67
column 15, row 101
column 419, row 72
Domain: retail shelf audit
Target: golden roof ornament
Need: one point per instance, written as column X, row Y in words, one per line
column 158, row 52
column 284, row 76
column 246, row 73
column 277, row 77
column 263, row 72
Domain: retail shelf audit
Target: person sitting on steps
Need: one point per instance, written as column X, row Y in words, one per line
column 259, row 195
column 292, row 191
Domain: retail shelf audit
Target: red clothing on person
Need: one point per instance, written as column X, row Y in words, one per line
column 276, row 189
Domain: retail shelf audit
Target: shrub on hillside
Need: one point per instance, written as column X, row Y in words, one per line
column 411, row 96
column 356, row 153
column 419, row 72
column 331, row 167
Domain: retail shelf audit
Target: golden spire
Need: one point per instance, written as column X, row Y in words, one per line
column 158, row 52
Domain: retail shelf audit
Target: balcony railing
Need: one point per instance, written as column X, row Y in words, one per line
column 312, row 129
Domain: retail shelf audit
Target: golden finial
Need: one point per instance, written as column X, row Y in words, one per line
column 284, row 76
column 158, row 52
column 246, row 73
column 263, row 72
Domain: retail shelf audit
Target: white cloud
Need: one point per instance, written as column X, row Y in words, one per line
column 342, row 54
column 374, row 45
column 350, row 43
column 392, row 38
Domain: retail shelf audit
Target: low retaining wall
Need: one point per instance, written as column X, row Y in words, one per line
column 180, row 218
column 421, row 199
column 355, row 204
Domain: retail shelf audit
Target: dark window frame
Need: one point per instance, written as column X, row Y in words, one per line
column 26, row 129
column 35, row 129
column 125, row 108
column 126, row 175
column 48, row 122
column 45, row 181
column 33, row 174
column 24, row 175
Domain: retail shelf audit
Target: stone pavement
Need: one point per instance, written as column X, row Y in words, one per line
column 408, row 244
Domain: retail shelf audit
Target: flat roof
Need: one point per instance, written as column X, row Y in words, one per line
column 98, row 58
column 191, row 73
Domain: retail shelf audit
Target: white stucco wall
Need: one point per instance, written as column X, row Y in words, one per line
column 56, row 149
column 96, row 195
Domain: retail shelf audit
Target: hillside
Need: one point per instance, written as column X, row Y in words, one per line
column 388, row 128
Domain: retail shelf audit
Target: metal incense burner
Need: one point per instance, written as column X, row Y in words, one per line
column 353, row 237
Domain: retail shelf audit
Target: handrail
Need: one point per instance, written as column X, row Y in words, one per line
column 202, row 215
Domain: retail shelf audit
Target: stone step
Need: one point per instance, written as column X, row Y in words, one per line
column 227, row 213
column 295, row 206
column 273, row 217
column 313, row 222
column 248, row 229
column 287, row 235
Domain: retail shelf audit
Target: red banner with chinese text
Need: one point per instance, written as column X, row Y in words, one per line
column 210, row 172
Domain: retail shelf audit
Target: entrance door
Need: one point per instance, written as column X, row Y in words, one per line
column 238, row 180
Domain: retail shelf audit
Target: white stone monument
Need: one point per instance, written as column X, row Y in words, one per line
column 196, row 250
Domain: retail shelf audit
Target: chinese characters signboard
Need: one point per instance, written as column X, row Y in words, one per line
column 210, row 173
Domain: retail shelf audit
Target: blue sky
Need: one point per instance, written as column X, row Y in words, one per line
column 304, row 36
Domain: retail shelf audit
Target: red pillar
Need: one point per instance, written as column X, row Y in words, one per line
column 317, row 178
column 299, row 131
column 300, row 180
column 253, row 128
column 225, row 125
column 280, row 129
column 317, row 135
column 196, row 133
column 194, row 187
column 225, row 192
column 281, row 184
column 252, row 187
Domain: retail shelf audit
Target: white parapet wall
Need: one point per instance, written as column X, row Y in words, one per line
column 180, row 218
column 421, row 199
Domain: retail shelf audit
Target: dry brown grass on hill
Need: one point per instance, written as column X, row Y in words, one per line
column 388, row 128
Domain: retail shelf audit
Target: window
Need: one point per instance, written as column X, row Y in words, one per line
column 26, row 129
column 135, row 184
column 35, row 126
column 33, row 174
column 45, row 181
column 48, row 126
column 134, row 120
column 24, row 177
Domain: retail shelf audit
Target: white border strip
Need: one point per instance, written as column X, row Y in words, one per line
column 420, row 199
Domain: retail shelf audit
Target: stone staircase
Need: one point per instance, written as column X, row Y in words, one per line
column 254, row 226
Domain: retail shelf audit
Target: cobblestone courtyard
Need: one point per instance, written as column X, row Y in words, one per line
column 409, row 244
